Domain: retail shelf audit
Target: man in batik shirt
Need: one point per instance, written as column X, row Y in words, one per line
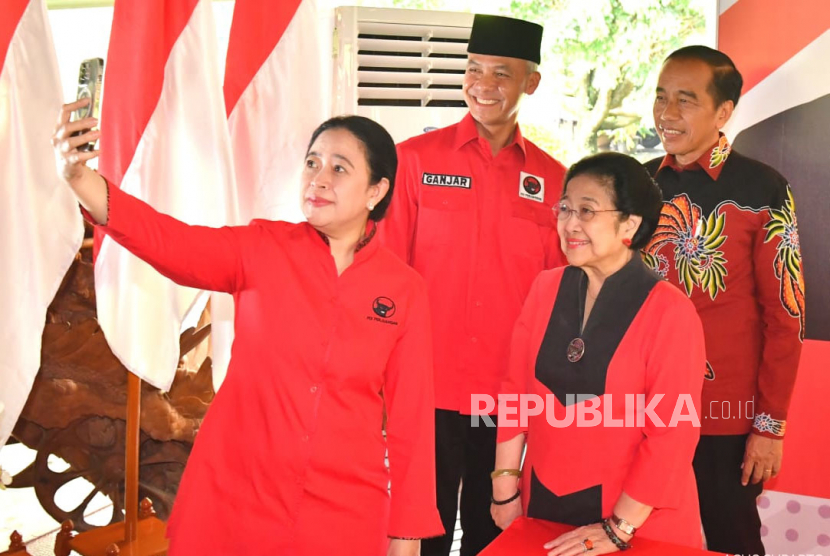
column 728, row 238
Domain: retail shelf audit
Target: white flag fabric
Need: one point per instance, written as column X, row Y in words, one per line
column 164, row 140
column 276, row 94
column 40, row 225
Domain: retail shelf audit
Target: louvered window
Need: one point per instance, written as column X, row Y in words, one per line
column 407, row 60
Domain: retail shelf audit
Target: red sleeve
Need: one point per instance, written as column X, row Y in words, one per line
column 193, row 256
column 675, row 366
column 410, row 427
column 521, row 360
column 780, row 290
column 397, row 231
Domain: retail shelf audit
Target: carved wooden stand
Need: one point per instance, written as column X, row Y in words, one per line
column 141, row 533
column 16, row 546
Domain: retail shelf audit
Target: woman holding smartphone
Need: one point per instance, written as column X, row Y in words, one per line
column 331, row 328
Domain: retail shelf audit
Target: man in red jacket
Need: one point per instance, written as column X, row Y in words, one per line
column 728, row 238
column 473, row 214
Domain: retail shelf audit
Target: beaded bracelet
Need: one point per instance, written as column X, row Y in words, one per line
column 618, row 542
column 503, row 502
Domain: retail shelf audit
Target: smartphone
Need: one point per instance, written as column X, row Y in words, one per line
column 90, row 78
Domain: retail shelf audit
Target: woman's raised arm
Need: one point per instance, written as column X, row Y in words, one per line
column 195, row 256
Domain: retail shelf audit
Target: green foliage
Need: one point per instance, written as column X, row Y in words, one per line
column 600, row 58
column 601, row 54
column 556, row 144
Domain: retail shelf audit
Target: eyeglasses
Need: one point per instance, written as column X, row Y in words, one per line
column 584, row 214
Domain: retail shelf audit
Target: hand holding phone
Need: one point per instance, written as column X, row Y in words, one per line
column 90, row 78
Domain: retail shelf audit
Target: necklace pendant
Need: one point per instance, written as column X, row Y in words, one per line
column 576, row 349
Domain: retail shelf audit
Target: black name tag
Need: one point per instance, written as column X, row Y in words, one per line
column 447, row 180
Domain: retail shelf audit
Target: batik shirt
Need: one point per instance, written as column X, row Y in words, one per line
column 728, row 238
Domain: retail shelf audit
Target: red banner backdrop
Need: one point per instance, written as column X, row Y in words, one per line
column 783, row 119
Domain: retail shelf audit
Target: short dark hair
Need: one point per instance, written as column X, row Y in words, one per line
column 726, row 79
column 633, row 191
column 379, row 147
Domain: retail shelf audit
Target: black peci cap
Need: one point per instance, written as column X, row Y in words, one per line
column 495, row 35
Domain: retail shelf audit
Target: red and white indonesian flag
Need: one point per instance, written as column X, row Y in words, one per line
column 164, row 139
column 276, row 93
column 40, row 225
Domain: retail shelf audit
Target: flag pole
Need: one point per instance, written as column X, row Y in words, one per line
column 131, row 469
column 142, row 533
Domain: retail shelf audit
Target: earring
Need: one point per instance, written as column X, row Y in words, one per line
column 627, row 242
column 371, row 207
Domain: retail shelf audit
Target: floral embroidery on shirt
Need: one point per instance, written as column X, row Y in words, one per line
column 658, row 263
column 765, row 423
column 720, row 153
column 784, row 225
column 696, row 241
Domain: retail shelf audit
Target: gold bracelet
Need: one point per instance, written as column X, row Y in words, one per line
column 506, row 473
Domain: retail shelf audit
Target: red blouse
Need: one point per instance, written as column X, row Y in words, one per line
column 643, row 337
column 290, row 457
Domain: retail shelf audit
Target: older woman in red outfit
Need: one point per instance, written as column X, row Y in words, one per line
column 290, row 457
column 617, row 357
